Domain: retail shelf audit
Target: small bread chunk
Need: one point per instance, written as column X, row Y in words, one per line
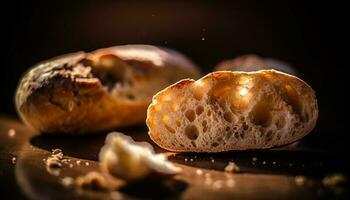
column 226, row 111
column 124, row 158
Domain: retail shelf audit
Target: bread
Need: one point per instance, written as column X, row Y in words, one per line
column 251, row 62
column 226, row 111
column 106, row 89
column 122, row 157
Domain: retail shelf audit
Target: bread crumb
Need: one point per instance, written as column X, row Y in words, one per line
column 255, row 159
column 53, row 162
column 274, row 162
column 186, row 159
column 57, row 153
column 92, row 181
column 217, row 184
column 67, row 181
column 230, row 183
column 11, row 133
column 334, row 179
column 231, row 167
column 300, row 180
column 14, row 159
column 199, row 172
column 87, row 163
column 212, row 160
column 116, row 195
column 71, row 165
column 191, row 159
column 78, row 162
column 124, row 158
column 264, row 162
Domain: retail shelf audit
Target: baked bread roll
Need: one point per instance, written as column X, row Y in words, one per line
column 226, row 111
column 251, row 62
column 106, row 89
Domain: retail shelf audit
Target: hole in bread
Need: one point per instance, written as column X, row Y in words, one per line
column 208, row 112
column 292, row 98
column 191, row 132
column 199, row 110
column 227, row 128
column 171, row 130
column 236, row 134
column 178, row 123
column 228, row 117
column 193, row 144
column 269, row 135
column 280, row 122
column 245, row 126
column 228, row 135
column 215, row 144
column 260, row 114
column 241, row 135
column 190, row 115
column 205, row 127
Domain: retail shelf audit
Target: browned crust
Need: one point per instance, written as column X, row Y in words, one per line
column 219, row 76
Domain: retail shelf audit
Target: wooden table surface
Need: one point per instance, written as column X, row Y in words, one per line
column 23, row 173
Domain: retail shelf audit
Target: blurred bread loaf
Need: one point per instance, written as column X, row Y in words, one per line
column 106, row 89
column 226, row 111
column 251, row 62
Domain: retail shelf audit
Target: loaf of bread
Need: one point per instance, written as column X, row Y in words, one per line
column 251, row 62
column 106, row 89
column 226, row 111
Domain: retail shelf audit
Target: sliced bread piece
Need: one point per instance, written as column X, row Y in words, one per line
column 226, row 111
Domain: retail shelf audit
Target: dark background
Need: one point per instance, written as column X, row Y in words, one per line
column 309, row 36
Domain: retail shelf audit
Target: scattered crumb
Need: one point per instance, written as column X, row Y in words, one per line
column 300, row 180
column 78, row 162
column 71, row 165
column 212, row 160
column 334, row 179
column 274, row 162
column 92, row 181
column 53, row 162
column 14, row 159
column 116, row 195
column 203, row 38
column 186, row 159
column 191, row 159
column 231, row 167
column 11, row 133
column 67, row 181
column 57, row 153
column 264, row 162
column 230, row 183
column 199, row 172
column 217, row 184
column 87, row 163
column 255, row 159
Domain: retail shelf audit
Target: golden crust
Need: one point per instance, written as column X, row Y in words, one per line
column 98, row 91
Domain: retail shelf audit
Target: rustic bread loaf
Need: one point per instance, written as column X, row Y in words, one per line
column 232, row 111
column 251, row 62
column 106, row 89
